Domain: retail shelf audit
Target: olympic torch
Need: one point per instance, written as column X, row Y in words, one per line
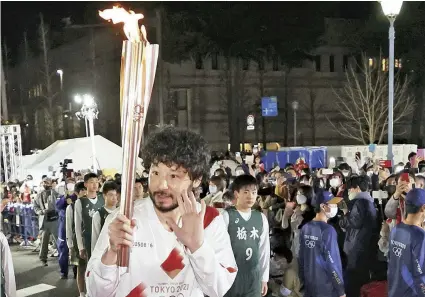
column 138, row 66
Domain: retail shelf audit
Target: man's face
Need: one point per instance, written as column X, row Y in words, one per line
column 111, row 198
column 166, row 183
column 412, row 160
column 246, row 196
column 138, row 190
column 92, row 185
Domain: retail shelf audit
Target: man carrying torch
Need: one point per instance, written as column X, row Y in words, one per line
column 178, row 246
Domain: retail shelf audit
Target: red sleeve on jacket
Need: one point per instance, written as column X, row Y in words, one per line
column 210, row 214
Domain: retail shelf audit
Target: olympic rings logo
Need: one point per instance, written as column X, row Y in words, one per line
column 310, row 244
column 397, row 251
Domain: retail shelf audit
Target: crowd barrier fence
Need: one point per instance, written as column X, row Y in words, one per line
column 20, row 221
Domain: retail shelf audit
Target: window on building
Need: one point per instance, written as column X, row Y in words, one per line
column 332, row 63
column 345, row 62
column 275, row 63
column 214, row 61
column 397, row 63
column 317, row 63
column 384, row 65
column 371, row 62
column 245, row 64
column 198, row 62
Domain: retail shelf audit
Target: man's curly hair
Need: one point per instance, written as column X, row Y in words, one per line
column 174, row 146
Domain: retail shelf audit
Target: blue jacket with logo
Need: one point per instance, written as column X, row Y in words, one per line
column 320, row 261
column 406, row 265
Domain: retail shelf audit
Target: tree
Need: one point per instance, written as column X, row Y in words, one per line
column 409, row 42
column 363, row 103
column 51, row 113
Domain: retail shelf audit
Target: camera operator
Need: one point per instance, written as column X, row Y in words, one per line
column 44, row 207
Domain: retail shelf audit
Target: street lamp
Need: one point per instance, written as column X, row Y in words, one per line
column 295, row 108
column 60, row 73
column 89, row 112
column 391, row 9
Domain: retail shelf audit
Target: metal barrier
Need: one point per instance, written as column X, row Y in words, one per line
column 20, row 223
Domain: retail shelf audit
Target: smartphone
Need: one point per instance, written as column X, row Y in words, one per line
column 405, row 177
column 358, row 156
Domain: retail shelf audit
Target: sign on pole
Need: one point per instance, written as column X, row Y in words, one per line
column 269, row 106
column 250, row 122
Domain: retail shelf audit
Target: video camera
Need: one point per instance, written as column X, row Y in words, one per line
column 64, row 168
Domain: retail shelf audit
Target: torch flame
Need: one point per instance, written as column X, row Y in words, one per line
column 129, row 18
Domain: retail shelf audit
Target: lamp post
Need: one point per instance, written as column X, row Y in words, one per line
column 60, row 73
column 295, row 108
column 89, row 112
column 391, row 9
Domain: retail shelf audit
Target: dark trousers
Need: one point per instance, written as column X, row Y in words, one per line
column 63, row 247
column 357, row 273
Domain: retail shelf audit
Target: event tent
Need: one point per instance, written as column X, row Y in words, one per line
column 108, row 156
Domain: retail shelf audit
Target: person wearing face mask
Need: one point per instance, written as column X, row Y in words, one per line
column 345, row 170
column 217, row 185
column 45, row 208
column 395, row 208
column 319, row 259
column 406, row 266
column 302, row 214
column 361, row 239
column 337, row 183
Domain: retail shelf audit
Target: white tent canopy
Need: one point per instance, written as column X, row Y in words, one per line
column 108, row 156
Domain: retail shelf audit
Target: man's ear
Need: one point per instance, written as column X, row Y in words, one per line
column 423, row 208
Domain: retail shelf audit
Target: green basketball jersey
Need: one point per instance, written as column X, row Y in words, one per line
column 245, row 238
column 88, row 210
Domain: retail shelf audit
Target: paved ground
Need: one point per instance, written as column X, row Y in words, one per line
column 30, row 276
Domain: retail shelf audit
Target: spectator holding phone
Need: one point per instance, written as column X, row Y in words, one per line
column 395, row 208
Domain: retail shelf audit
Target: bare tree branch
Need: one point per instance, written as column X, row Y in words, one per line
column 363, row 103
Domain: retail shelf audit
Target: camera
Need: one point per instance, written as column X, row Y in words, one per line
column 64, row 168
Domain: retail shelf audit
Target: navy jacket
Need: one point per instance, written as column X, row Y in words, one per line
column 320, row 261
column 360, row 224
column 406, row 265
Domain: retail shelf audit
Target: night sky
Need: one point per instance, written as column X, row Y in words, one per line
column 17, row 17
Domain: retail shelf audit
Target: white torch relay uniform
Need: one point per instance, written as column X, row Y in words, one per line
column 7, row 267
column 162, row 266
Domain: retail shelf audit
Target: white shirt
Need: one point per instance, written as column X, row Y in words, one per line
column 96, row 227
column 69, row 215
column 78, row 215
column 264, row 243
column 160, row 265
column 7, row 267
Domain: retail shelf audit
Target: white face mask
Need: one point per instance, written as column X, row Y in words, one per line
column 301, row 199
column 70, row 187
column 332, row 213
column 335, row 182
column 213, row 189
column 345, row 173
column 352, row 195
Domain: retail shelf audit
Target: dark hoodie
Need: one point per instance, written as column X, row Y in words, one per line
column 360, row 226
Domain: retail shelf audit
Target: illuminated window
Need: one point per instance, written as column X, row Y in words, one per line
column 371, row 62
column 397, row 63
column 384, row 64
